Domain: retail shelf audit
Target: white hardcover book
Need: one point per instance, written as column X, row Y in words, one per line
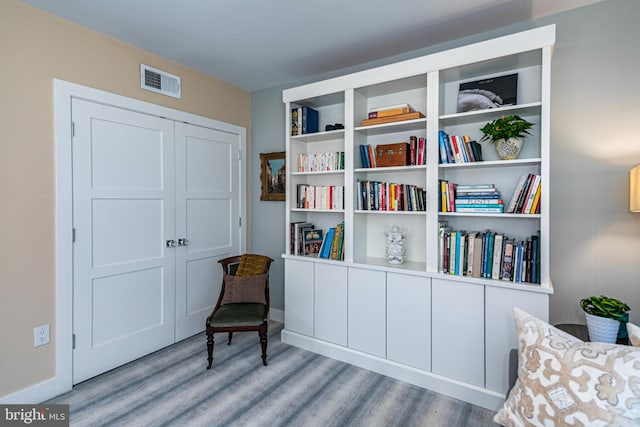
column 471, row 243
column 497, row 256
column 516, row 192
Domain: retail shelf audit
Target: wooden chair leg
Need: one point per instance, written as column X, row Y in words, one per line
column 230, row 336
column 210, row 349
column 263, row 344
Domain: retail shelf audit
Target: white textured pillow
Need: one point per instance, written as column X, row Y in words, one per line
column 634, row 334
column 564, row 381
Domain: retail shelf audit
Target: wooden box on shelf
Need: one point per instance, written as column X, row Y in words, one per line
column 392, row 154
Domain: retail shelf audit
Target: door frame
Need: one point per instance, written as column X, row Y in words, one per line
column 63, row 93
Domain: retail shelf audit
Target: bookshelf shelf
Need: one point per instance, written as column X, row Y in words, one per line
column 319, row 136
column 319, row 173
column 384, row 128
column 338, row 297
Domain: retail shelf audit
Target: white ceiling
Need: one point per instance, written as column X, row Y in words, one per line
column 255, row 44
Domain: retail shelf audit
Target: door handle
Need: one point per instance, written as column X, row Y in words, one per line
column 183, row 242
column 171, row 243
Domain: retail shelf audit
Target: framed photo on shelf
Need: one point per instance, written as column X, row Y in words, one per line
column 487, row 93
column 273, row 176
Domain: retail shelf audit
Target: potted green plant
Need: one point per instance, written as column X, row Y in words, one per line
column 605, row 315
column 505, row 133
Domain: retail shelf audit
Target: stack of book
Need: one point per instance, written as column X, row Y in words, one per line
column 489, row 255
column 526, row 195
column 458, row 149
column 390, row 114
column 474, row 198
column 332, row 246
column 304, row 120
column 315, row 162
column 385, row 196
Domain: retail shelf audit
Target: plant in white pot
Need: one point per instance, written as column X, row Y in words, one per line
column 604, row 317
column 506, row 133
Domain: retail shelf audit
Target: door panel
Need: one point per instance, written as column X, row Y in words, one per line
column 123, row 208
column 207, row 215
column 114, row 224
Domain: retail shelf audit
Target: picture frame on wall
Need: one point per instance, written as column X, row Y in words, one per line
column 273, row 176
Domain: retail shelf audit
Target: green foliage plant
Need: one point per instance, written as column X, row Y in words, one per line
column 504, row 128
column 604, row 306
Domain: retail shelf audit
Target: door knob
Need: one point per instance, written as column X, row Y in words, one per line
column 171, row 243
column 183, row 242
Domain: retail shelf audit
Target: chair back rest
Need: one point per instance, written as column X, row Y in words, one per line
column 246, row 279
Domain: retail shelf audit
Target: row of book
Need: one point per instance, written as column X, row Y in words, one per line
column 458, row 149
column 489, row 255
column 315, row 162
column 386, row 196
column 473, row 198
column 320, row 196
column 304, row 120
column 526, row 195
column 310, row 241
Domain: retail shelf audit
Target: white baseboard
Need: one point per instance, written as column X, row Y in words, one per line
column 34, row 394
column 276, row 315
column 440, row 384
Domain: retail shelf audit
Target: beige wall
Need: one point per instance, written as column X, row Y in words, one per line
column 35, row 48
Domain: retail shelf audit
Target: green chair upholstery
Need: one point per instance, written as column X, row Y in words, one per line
column 232, row 313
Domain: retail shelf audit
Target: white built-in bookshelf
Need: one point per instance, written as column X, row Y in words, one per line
column 362, row 309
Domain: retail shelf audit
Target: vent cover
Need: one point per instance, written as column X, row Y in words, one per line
column 159, row 81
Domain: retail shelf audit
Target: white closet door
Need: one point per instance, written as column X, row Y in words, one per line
column 124, row 212
column 207, row 216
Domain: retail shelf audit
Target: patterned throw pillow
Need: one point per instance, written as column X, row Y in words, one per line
column 251, row 265
column 564, row 381
column 634, row 334
column 247, row 289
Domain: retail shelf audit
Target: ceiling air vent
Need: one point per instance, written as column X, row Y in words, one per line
column 159, row 81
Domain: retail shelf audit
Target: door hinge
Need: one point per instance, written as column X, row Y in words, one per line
column 73, row 341
column 239, row 155
column 239, row 221
column 73, row 129
column 73, row 235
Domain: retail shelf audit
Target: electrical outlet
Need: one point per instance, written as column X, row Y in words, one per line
column 41, row 335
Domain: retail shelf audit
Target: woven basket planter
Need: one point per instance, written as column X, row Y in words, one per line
column 602, row 329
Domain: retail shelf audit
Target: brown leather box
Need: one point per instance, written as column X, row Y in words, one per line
column 392, row 154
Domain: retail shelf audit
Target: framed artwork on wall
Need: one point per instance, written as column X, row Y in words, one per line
column 273, row 176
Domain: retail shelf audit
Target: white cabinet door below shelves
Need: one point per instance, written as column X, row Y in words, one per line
column 458, row 331
column 330, row 298
column 409, row 320
column 501, row 330
column 367, row 303
column 298, row 296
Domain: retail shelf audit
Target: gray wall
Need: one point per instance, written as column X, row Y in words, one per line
column 595, row 119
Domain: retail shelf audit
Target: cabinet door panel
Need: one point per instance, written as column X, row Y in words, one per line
column 331, row 303
column 367, row 319
column 298, row 296
column 409, row 320
column 458, row 331
column 501, row 330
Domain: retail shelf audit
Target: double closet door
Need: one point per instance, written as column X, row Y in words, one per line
column 156, row 204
